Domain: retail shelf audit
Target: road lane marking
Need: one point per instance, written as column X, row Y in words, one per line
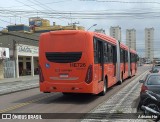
column 23, row 104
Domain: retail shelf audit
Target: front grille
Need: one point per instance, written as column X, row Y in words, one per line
column 63, row 57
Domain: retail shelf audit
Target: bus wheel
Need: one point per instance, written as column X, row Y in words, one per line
column 104, row 89
column 46, row 92
column 121, row 80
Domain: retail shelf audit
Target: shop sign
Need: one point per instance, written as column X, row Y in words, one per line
column 27, row 50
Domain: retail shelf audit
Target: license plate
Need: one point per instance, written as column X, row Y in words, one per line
column 63, row 75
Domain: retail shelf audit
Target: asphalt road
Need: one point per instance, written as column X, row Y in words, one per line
column 33, row 101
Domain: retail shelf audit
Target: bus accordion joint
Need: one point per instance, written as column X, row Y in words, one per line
column 89, row 74
column 41, row 77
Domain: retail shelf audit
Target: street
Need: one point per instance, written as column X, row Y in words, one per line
column 33, row 101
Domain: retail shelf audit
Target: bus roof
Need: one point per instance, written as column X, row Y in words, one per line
column 105, row 37
column 62, row 32
column 123, row 46
column 65, row 32
column 98, row 35
column 112, row 40
column 133, row 51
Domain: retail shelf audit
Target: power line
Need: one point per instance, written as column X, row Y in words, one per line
column 48, row 9
column 84, row 15
column 33, row 8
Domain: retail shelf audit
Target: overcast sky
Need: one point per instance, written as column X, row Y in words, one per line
column 149, row 18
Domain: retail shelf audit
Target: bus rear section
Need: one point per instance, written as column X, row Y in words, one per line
column 66, row 63
column 133, row 62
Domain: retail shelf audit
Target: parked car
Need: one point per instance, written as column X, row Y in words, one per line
column 151, row 83
column 147, row 62
column 150, row 105
column 155, row 69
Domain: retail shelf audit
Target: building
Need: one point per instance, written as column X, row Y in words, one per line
column 23, row 54
column 149, row 38
column 115, row 32
column 131, row 38
column 100, row 31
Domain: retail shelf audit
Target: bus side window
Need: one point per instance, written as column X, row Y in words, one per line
column 137, row 58
column 133, row 58
column 121, row 55
column 130, row 57
column 114, row 54
column 126, row 53
column 110, row 53
column 106, row 52
column 95, row 51
column 124, row 57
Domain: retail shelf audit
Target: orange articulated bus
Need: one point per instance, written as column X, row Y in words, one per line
column 75, row 61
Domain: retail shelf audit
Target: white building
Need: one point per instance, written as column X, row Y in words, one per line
column 26, row 58
column 115, row 32
column 100, row 31
column 131, row 38
column 149, row 38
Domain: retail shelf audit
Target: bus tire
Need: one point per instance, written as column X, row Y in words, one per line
column 104, row 88
column 46, row 92
column 121, row 80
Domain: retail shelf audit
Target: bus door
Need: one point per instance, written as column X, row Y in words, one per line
column 100, row 60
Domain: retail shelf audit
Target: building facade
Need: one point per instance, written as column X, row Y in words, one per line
column 131, row 38
column 23, row 51
column 115, row 32
column 100, row 31
column 149, row 39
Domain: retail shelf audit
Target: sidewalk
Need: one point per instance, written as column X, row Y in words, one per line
column 10, row 85
column 21, row 78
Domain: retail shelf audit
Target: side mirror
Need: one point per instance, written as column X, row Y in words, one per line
column 141, row 81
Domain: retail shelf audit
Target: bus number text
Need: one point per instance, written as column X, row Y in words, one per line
column 77, row 65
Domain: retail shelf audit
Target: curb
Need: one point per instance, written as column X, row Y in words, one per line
column 17, row 81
